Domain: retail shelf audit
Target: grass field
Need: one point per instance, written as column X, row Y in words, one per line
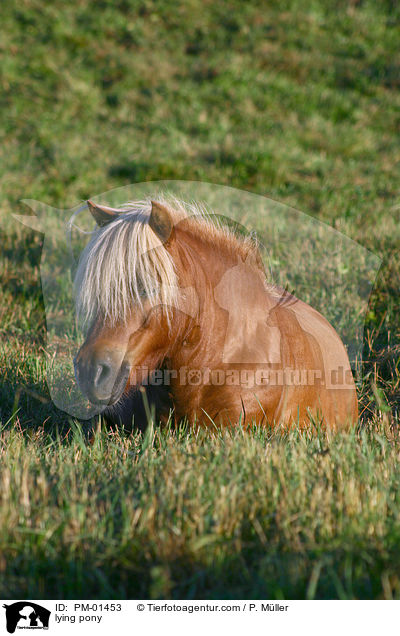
column 295, row 100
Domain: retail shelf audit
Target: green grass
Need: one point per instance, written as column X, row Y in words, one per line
column 295, row 100
column 180, row 515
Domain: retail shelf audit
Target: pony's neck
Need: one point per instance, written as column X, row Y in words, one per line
column 205, row 263
column 224, row 283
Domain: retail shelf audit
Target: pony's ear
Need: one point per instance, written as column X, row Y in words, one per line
column 102, row 214
column 160, row 221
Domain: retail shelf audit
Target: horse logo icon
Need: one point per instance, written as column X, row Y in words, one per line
column 26, row 615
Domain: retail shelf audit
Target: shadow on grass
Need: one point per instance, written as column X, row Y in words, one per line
column 254, row 573
column 24, row 401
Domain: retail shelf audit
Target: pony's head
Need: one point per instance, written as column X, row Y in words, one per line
column 126, row 288
column 145, row 290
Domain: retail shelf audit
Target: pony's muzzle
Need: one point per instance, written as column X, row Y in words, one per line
column 102, row 379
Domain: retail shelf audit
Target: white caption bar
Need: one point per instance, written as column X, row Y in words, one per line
column 22, row 617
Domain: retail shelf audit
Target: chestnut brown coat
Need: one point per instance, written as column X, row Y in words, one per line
column 220, row 345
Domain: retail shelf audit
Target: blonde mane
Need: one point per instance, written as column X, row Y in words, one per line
column 125, row 262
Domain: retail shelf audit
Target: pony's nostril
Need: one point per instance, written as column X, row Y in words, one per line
column 102, row 376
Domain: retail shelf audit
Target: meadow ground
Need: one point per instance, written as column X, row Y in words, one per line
column 295, row 100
